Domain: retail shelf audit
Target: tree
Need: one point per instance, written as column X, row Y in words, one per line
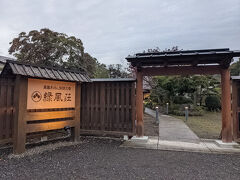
column 235, row 68
column 157, row 49
column 174, row 88
column 213, row 103
column 49, row 48
column 117, row 71
column 101, row 71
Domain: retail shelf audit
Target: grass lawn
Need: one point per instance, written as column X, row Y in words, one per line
column 207, row 126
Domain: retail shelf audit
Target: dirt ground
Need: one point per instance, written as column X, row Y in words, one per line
column 150, row 126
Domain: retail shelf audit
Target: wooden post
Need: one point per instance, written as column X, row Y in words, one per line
column 226, row 106
column 139, row 103
column 20, row 103
column 77, row 112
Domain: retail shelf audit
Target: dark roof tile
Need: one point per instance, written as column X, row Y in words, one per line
column 44, row 72
column 50, row 73
column 188, row 57
column 28, row 70
column 74, row 77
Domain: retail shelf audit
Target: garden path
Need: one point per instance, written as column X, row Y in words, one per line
column 173, row 129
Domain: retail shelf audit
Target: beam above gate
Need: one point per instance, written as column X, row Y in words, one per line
column 180, row 70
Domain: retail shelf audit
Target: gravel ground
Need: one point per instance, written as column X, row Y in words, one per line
column 104, row 159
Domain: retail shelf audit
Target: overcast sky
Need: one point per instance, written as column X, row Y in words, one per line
column 112, row 29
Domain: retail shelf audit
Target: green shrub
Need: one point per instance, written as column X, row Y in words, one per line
column 198, row 109
column 150, row 104
column 178, row 113
column 213, row 103
column 173, row 107
column 182, row 100
column 194, row 111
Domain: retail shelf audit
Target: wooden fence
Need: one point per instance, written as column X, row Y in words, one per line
column 6, row 109
column 236, row 108
column 108, row 107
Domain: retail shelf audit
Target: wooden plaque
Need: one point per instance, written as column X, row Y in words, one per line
column 46, row 94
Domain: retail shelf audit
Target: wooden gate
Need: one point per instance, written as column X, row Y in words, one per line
column 108, row 107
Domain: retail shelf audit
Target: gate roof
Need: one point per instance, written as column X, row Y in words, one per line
column 222, row 57
column 17, row 68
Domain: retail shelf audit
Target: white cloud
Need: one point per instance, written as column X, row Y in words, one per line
column 111, row 29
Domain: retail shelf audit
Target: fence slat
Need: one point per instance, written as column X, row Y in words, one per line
column 88, row 90
column 9, row 110
column 117, row 114
column 84, row 106
column 91, row 108
column 127, row 97
column 122, row 106
column 6, row 109
column 102, row 100
column 133, row 106
column 1, row 110
column 108, row 109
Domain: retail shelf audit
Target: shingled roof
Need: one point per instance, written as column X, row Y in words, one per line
column 184, row 57
column 16, row 68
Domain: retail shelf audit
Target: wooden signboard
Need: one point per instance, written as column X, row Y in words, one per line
column 46, row 94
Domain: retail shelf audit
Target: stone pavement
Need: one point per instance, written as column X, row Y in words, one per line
column 204, row 145
column 173, row 129
column 175, row 135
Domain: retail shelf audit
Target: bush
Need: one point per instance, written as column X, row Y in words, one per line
column 178, row 113
column 173, row 107
column 213, row 103
column 193, row 111
column 182, row 100
column 150, row 104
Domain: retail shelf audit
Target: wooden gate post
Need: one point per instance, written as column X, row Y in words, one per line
column 139, row 103
column 226, row 106
column 20, row 104
column 77, row 112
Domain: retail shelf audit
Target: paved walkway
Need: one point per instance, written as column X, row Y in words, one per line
column 173, row 129
column 175, row 135
column 204, row 145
